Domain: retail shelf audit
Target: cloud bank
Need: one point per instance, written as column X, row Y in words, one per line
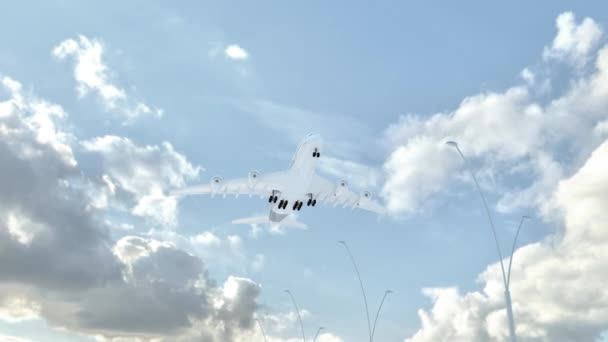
column 58, row 261
column 559, row 146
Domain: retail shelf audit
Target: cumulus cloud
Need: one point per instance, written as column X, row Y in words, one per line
column 58, row 261
column 92, row 75
column 485, row 124
column 45, row 237
column 573, row 41
column 557, row 283
column 236, row 52
column 550, row 303
column 513, row 130
column 224, row 252
column 145, row 172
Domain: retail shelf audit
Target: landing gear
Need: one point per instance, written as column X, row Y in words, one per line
column 282, row 203
column 311, row 201
column 316, row 153
column 297, row 206
column 273, row 199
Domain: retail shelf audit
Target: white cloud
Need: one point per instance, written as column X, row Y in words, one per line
column 146, row 172
column 528, row 76
column 500, row 131
column 558, row 285
column 91, row 74
column 328, row 337
column 24, row 116
column 236, row 52
column 206, row 239
column 555, row 148
column 18, row 308
column 574, row 42
column 225, row 253
column 57, row 259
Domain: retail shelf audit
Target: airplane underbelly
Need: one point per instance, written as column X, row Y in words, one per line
column 276, row 216
column 297, row 190
column 300, row 185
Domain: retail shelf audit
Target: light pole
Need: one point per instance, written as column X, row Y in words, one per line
column 317, row 334
column 293, row 300
column 521, row 223
column 352, row 259
column 505, row 277
column 261, row 329
column 386, row 293
column 371, row 329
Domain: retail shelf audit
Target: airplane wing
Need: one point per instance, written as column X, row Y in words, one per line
column 337, row 193
column 255, row 184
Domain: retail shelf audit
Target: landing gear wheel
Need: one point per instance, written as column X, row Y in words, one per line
column 314, row 202
column 270, row 199
column 275, row 199
column 309, row 202
column 300, row 205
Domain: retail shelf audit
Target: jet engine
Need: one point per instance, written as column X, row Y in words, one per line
column 341, row 187
column 216, row 183
column 253, row 178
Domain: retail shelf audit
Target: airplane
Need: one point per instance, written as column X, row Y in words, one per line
column 289, row 190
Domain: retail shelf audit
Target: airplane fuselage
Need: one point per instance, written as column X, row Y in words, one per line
column 302, row 169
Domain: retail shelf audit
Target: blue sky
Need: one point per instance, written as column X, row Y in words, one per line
column 154, row 97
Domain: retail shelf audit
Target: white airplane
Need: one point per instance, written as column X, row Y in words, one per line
column 288, row 191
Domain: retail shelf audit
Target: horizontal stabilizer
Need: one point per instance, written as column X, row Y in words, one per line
column 252, row 220
column 288, row 221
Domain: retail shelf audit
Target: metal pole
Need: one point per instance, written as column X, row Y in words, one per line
column 386, row 293
column 352, row 259
column 521, row 223
column 293, row 300
column 261, row 329
column 502, row 267
column 317, row 334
